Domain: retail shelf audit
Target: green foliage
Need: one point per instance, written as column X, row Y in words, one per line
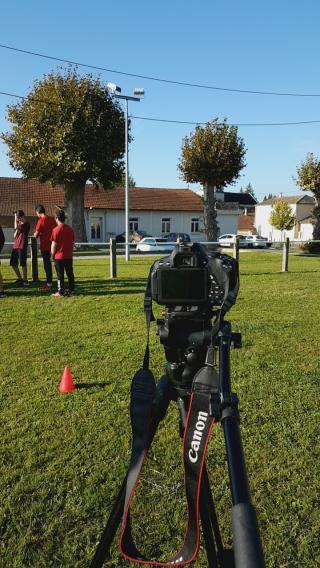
column 68, row 129
column 131, row 181
column 269, row 196
column 213, row 155
column 309, row 175
column 310, row 247
column 281, row 216
column 309, row 180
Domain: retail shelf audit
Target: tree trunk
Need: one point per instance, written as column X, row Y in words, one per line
column 74, row 206
column 210, row 213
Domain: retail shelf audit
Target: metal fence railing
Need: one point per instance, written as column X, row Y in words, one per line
column 113, row 250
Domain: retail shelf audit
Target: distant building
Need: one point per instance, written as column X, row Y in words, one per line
column 155, row 210
column 301, row 207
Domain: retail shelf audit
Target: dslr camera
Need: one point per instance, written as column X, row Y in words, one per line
column 190, row 281
column 194, row 286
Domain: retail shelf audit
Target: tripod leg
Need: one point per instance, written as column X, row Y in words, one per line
column 208, row 535
column 212, row 511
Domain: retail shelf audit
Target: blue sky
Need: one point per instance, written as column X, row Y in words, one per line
column 249, row 45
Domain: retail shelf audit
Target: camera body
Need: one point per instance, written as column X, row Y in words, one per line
column 192, row 280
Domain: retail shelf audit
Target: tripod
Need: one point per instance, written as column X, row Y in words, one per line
column 247, row 549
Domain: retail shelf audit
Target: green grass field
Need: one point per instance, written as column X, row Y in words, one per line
column 63, row 456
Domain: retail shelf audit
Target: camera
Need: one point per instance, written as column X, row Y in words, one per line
column 189, row 277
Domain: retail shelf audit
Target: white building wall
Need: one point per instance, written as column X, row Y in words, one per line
column 299, row 210
column 306, row 231
column 113, row 222
column 262, row 224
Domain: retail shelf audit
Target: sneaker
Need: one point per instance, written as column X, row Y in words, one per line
column 2, row 295
column 18, row 282
column 25, row 283
column 45, row 287
column 57, row 295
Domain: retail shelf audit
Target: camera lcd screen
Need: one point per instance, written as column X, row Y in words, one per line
column 183, row 285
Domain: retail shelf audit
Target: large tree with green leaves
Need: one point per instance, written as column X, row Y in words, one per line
column 309, row 180
column 214, row 156
column 68, row 130
column 281, row 216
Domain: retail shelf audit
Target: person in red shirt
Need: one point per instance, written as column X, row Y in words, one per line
column 20, row 247
column 62, row 239
column 44, row 228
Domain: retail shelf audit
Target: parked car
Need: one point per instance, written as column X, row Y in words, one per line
column 154, row 244
column 255, row 241
column 172, row 237
column 134, row 237
column 229, row 239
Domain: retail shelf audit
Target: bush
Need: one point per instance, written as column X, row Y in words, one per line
column 310, row 247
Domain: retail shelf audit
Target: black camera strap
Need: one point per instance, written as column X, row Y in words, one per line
column 197, row 432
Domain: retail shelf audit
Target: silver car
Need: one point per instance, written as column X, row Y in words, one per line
column 229, row 239
column 255, row 241
column 154, row 244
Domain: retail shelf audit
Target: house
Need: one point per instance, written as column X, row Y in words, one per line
column 155, row 210
column 245, row 201
column 301, row 207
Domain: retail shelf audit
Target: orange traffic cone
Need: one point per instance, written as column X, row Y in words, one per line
column 66, row 384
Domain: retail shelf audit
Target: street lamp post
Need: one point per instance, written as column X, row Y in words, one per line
column 116, row 90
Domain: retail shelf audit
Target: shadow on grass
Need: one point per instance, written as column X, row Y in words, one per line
column 111, row 287
column 277, row 272
column 80, row 386
column 85, row 287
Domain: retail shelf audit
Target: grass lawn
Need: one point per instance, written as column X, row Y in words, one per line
column 63, row 456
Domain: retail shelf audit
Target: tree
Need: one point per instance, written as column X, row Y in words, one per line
column 281, row 216
column 249, row 189
column 68, row 130
column 309, row 180
column 131, row 181
column 214, row 156
column 269, row 196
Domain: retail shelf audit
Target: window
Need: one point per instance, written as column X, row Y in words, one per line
column 165, row 225
column 96, row 228
column 133, row 224
column 195, row 225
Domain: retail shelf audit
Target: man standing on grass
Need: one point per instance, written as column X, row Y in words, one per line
column 20, row 247
column 62, row 239
column 44, row 228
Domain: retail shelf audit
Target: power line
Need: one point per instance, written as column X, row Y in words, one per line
column 158, row 79
column 234, row 124
column 169, row 121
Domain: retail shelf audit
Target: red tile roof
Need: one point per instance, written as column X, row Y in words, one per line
column 17, row 193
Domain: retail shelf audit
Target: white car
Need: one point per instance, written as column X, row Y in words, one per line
column 229, row 239
column 255, row 241
column 154, row 244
